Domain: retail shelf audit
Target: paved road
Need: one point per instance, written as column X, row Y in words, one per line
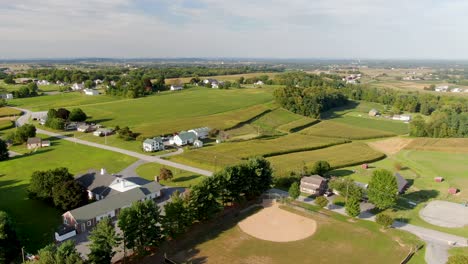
column 157, row 159
column 437, row 243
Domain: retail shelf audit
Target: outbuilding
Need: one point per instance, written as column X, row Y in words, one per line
column 452, row 190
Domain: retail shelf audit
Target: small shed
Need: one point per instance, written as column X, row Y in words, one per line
column 365, row 166
column 438, row 179
column 452, row 190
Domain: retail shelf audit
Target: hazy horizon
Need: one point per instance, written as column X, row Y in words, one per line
column 277, row 29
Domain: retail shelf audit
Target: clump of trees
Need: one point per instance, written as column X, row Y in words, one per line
column 441, row 124
column 178, row 217
column 57, row 118
column 103, row 240
column 9, row 244
column 4, row 155
column 29, row 90
column 321, row 167
column 58, row 187
column 22, row 134
column 64, row 253
column 309, row 101
column 294, row 190
column 125, row 133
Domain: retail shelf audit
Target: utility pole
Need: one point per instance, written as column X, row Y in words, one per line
column 22, row 253
column 347, row 190
column 215, row 163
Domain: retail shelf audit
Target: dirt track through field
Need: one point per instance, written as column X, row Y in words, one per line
column 277, row 225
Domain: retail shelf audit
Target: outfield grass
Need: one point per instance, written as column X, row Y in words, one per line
column 36, row 221
column 336, row 241
column 217, row 156
column 67, row 100
column 337, row 156
column 181, row 178
column 8, row 112
column 339, row 130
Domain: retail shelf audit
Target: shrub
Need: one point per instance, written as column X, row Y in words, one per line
column 384, row 220
column 321, row 201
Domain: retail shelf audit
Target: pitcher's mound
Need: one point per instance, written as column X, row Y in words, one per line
column 275, row 224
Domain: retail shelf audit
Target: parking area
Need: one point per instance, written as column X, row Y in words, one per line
column 445, row 214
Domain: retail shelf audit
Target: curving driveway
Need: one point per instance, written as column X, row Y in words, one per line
column 23, row 119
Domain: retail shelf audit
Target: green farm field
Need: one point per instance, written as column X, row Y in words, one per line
column 170, row 112
column 9, row 112
column 357, row 242
column 67, row 100
column 181, row 178
column 342, row 130
column 337, row 156
column 232, row 77
column 35, row 220
column 16, row 87
column 229, row 153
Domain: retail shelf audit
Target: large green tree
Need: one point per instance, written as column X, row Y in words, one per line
column 9, row 244
column 383, row 189
column 77, row 115
column 177, row 216
column 140, row 224
column 64, row 254
column 353, row 207
column 22, row 133
column 294, row 190
column 346, row 187
column 42, row 182
column 321, row 167
column 69, row 195
column 3, row 150
column 103, row 240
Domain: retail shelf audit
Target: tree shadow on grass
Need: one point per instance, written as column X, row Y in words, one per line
column 184, row 249
column 34, row 153
column 341, row 173
column 332, row 113
column 185, row 178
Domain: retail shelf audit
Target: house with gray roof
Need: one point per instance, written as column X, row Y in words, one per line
column 401, row 182
column 153, row 144
column 86, row 217
column 201, row 132
column 185, row 138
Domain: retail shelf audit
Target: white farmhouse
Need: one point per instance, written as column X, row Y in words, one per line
column 6, row 96
column 77, row 86
column 184, row 138
column 91, row 92
column 153, row 144
column 201, row 132
column 405, row 118
column 259, row 83
column 442, row 88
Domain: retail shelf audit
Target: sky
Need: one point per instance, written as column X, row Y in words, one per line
column 341, row 29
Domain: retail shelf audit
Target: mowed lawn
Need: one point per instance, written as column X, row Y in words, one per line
column 361, row 120
column 341, row 130
column 337, row 156
column 336, row 241
column 217, row 156
column 9, row 112
column 37, row 221
column 181, row 178
column 42, row 88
